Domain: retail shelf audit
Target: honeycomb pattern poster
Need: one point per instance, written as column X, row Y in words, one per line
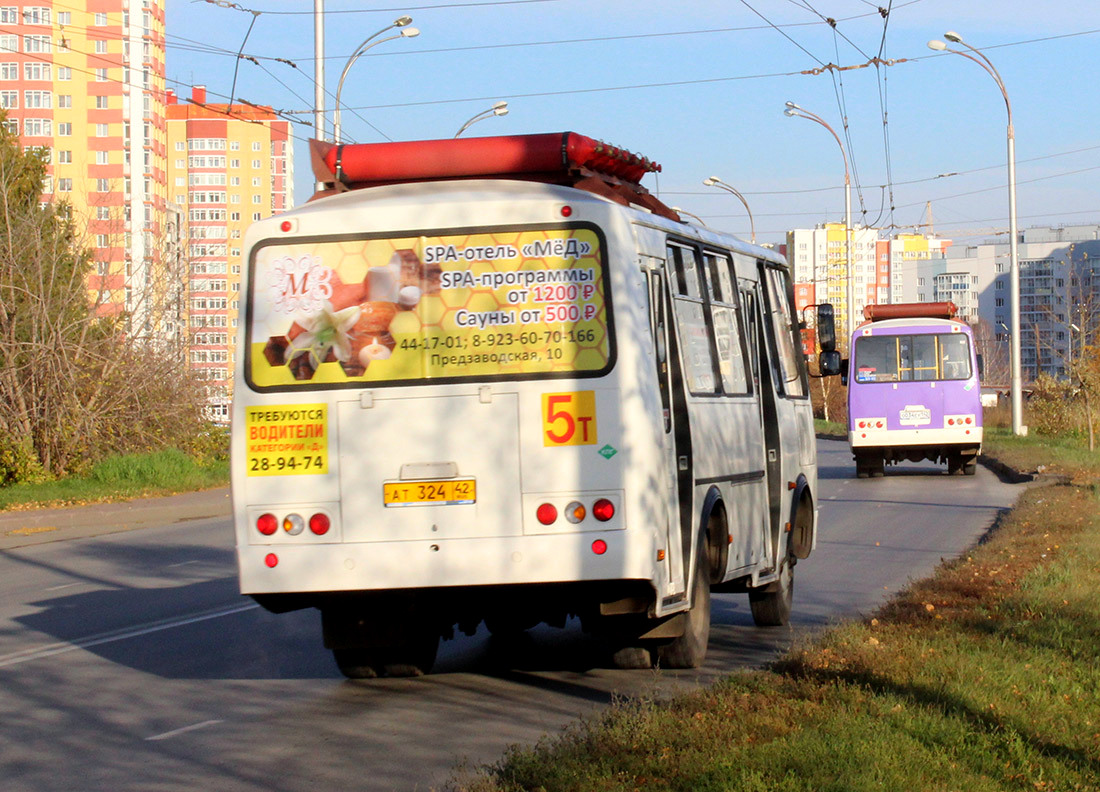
column 444, row 307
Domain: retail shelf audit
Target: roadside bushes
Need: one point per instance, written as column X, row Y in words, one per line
column 1057, row 408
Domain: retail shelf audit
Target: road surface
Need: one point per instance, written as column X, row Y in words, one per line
column 128, row 661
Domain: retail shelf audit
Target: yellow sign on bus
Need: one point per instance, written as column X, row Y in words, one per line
column 290, row 440
column 569, row 418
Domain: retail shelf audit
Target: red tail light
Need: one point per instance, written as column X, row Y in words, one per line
column 603, row 510
column 319, row 524
column 547, row 514
column 271, row 560
column 599, row 547
column 267, row 524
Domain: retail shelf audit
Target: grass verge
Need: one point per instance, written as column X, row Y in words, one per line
column 984, row 677
column 119, row 478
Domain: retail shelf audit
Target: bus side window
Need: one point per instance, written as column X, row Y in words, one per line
column 727, row 325
column 779, row 308
column 694, row 330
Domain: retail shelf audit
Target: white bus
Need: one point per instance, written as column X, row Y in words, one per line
column 497, row 381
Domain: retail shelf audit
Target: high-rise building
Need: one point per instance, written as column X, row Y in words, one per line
column 1059, row 292
column 228, row 166
column 819, row 265
column 85, row 81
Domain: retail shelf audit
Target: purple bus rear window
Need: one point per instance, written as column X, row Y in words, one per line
column 912, row 358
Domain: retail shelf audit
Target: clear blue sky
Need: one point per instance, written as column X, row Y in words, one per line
column 700, row 88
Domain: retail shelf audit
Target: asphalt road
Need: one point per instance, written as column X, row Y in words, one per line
column 128, row 661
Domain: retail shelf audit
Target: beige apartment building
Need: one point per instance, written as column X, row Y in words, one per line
column 228, row 166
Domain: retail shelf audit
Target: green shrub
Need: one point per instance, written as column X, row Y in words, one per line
column 18, row 462
column 1054, row 408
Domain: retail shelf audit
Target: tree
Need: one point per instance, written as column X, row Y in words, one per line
column 73, row 386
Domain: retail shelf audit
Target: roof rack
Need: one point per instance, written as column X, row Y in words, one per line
column 934, row 310
column 564, row 158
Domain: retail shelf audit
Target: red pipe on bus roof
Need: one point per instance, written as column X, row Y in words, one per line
column 935, row 310
column 555, row 152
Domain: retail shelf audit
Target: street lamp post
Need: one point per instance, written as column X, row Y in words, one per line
column 499, row 109
column 1018, row 427
column 794, row 111
column 678, row 210
column 407, row 32
column 714, row 181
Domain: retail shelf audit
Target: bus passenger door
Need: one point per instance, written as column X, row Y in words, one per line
column 756, row 330
column 669, row 384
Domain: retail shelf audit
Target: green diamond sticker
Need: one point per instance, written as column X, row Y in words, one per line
column 607, row 452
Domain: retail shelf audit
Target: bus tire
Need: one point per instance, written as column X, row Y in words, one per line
column 771, row 604
column 689, row 650
column 632, row 657
column 356, row 663
column 970, row 467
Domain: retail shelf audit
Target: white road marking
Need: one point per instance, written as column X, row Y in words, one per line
column 27, row 655
column 193, row 727
column 62, row 586
column 182, row 563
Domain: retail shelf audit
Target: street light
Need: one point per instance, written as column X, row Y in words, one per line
column 678, row 210
column 1018, row 427
column 794, row 111
column 408, row 32
column 714, row 181
column 499, row 109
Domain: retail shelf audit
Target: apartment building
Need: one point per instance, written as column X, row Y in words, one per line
column 1059, row 292
column 228, row 166
column 85, row 82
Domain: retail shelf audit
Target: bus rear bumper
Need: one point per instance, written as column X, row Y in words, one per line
column 377, row 566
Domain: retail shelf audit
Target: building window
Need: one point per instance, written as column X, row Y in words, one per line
column 101, row 75
column 64, row 129
column 999, row 302
column 102, row 130
column 11, row 125
column 36, row 44
column 64, row 185
column 37, row 100
column 101, row 103
column 257, row 199
column 9, row 100
column 9, row 71
column 64, row 73
column 100, row 20
column 36, row 71
column 256, row 216
column 37, row 127
column 64, row 101
column 102, row 158
column 64, row 157
column 255, row 163
column 36, row 15
column 102, row 185
column 64, row 17
column 9, row 15
column 9, row 43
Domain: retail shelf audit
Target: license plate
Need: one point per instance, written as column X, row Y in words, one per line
column 426, row 493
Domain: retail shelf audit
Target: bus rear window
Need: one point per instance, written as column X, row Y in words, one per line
column 912, row 358
column 330, row 312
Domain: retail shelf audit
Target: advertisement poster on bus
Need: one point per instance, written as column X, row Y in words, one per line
column 382, row 310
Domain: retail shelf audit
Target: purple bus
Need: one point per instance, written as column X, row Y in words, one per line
column 913, row 389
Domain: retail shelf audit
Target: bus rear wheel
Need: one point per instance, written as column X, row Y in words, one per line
column 771, row 604
column 414, row 656
column 690, row 649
